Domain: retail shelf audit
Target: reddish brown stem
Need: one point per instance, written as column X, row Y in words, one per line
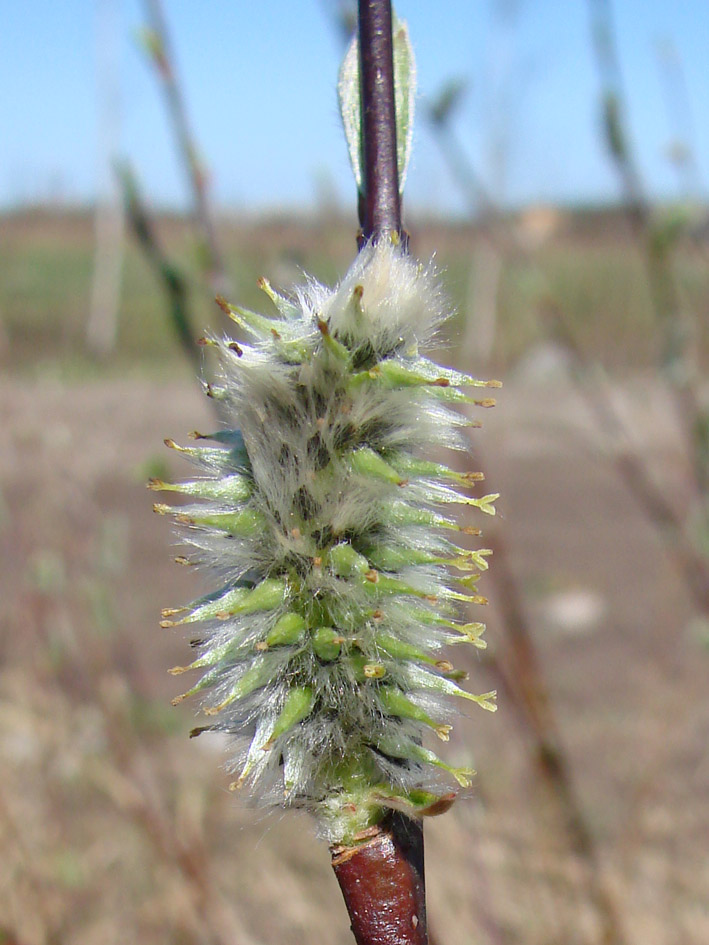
column 382, row 881
column 380, row 202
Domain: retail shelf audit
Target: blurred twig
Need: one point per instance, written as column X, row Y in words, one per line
column 678, row 360
column 439, row 113
column 172, row 280
column 486, row 270
column 519, row 670
column 157, row 43
column 613, row 115
column 102, row 326
column 630, row 464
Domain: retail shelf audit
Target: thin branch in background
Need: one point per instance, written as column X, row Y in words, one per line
column 487, row 263
column 158, row 45
column 170, row 277
column 614, row 117
column 616, row 135
column 109, row 218
column 629, row 463
column 523, row 680
column 439, row 113
column 109, row 226
column 678, row 360
column 519, row 670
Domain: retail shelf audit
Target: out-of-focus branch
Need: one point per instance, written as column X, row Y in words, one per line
column 439, row 114
column 678, row 361
column 629, row 463
column 173, row 283
column 102, row 326
column 158, row 45
column 614, row 118
column 487, row 263
column 518, row 669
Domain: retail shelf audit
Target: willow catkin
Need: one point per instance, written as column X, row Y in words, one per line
column 331, row 525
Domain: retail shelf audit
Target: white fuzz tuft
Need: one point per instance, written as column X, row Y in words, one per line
column 404, row 302
column 328, row 523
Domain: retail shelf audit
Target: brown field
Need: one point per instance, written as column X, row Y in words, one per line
column 115, row 827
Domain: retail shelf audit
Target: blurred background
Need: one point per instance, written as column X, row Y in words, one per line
column 157, row 153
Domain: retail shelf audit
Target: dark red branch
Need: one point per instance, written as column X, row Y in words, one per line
column 382, row 881
column 380, row 201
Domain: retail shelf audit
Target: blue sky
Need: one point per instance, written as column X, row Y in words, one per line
column 259, row 79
